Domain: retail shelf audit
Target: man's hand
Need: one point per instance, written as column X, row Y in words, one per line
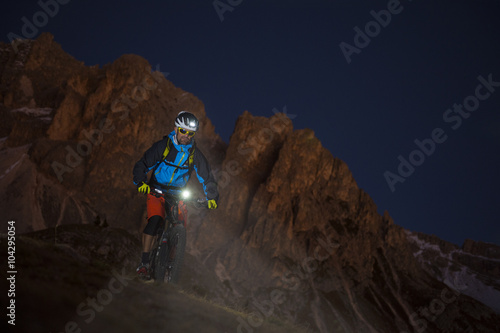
column 212, row 204
column 144, row 188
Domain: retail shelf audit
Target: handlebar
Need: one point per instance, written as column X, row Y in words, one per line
column 197, row 202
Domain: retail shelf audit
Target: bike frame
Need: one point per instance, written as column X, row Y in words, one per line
column 168, row 250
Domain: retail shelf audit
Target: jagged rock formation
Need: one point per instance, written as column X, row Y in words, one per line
column 294, row 235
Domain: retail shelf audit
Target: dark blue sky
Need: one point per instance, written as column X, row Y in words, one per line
column 368, row 112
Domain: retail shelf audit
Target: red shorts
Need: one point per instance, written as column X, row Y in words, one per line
column 156, row 206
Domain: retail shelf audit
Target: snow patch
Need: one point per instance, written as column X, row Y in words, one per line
column 467, row 283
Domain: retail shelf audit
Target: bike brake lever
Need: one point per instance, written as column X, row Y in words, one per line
column 199, row 203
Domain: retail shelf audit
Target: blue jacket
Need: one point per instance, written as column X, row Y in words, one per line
column 174, row 171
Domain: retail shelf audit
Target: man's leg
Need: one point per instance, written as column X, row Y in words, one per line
column 147, row 242
column 156, row 214
column 149, row 234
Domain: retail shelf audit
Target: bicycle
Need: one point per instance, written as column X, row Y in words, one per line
column 167, row 254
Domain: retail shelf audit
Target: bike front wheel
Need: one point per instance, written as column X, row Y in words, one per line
column 176, row 248
column 160, row 261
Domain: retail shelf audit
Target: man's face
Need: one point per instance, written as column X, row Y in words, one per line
column 183, row 139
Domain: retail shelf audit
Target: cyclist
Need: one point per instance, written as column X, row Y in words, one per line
column 172, row 160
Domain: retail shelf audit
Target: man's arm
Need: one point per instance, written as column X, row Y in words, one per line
column 150, row 158
column 205, row 176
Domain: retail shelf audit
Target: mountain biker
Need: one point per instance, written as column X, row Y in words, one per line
column 172, row 160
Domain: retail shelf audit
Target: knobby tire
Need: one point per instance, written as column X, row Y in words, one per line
column 153, row 259
column 161, row 263
column 177, row 246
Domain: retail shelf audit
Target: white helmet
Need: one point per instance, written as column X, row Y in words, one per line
column 187, row 120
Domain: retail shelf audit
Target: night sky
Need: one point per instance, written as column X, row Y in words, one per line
column 369, row 77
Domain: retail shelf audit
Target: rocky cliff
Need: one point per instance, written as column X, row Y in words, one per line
column 294, row 237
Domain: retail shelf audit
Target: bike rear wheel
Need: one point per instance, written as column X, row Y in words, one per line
column 153, row 261
column 176, row 247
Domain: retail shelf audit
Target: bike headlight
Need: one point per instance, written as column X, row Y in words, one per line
column 186, row 194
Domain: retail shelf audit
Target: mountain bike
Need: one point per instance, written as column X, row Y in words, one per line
column 167, row 254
